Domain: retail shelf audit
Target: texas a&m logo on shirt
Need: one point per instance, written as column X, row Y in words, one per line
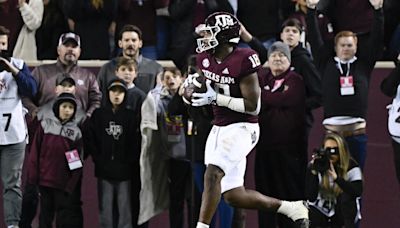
column 114, row 129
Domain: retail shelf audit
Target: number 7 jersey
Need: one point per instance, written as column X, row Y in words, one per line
column 12, row 122
column 226, row 77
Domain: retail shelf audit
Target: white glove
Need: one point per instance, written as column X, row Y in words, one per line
column 312, row 4
column 189, row 79
column 200, row 99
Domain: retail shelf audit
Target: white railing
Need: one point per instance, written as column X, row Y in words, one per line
column 92, row 63
column 164, row 63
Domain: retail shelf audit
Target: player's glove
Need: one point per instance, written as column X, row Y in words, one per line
column 189, row 79
column 200, row 99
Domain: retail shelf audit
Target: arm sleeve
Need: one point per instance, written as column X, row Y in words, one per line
column 94, row 95
column 27, row 85
column 353, row 185
column 89, row 137
column 176, row 106
column 390, row 83
column 311, row 185
column 353, row 188
column 312, row 81
column 30, row 102
column 32, row 14
column 375, row 40
column 257, row 46
column 320, row 50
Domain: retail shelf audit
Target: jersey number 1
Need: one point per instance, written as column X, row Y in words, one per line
column 8, row 116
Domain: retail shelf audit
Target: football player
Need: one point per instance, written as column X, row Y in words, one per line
column 233, row 89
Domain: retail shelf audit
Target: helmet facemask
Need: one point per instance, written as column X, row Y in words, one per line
column 209, row 38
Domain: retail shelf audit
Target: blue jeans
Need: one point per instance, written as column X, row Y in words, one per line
column 358, row 148
column 394, row 45
column 11, row 160
column 224, row 211
column 108, row 192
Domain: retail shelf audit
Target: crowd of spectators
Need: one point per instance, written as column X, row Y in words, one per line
column 36, row 25
column 153, row 144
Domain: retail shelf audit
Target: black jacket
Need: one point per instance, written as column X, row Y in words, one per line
column 113, row 140
column 352, row 188
column 333, row 102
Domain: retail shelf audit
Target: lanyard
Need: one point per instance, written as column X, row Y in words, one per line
column 339, row 65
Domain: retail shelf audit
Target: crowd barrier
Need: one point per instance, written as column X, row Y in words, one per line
column 164, row 63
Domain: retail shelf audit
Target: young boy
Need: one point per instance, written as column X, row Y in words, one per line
column 126, row 69
column 113, row 142
column 166, row 145
column 64, row 84
column 55, row 165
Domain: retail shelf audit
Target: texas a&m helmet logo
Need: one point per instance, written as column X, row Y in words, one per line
column 224, row 21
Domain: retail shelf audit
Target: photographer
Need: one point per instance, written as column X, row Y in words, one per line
column 15, row 81
column 333, row 185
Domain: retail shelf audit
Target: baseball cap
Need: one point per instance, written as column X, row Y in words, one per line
column 69, row 36
column 117, row 82
column 64, row 78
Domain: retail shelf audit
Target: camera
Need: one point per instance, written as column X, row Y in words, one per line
column 322, row 160
column 4, row 54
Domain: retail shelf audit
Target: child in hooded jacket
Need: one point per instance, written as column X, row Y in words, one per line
column 113, row 140
column 55, row 165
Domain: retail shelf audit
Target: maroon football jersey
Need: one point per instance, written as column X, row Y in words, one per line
column 226, row 77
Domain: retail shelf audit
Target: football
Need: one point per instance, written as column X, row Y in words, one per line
column 197, row 85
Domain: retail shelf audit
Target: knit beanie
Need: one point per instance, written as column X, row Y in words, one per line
column 281, row 47
column 64, row 97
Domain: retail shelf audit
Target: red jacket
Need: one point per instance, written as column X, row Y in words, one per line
column 47, row 164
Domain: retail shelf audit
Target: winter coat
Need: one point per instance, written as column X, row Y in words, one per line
column 47, row 165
